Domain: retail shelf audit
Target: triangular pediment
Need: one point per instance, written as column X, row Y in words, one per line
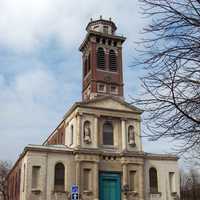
column 113, row 103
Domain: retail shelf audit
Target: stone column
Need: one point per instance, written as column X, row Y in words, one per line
column 125, row 178
column 141, row 189
column 78, row 130
column 123, row 125
column 96, row 132
column 65, row 132
column 125, row 174
column 96, row 181
column 78, row 174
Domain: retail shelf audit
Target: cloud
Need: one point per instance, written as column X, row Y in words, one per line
column 23, row 99
column 26, row 25
column 28, row 105
column 40, row 66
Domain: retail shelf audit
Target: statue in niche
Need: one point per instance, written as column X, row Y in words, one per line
column 87, row 132
column 131, row 135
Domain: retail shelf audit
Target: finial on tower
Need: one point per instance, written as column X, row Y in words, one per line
column 101, row 24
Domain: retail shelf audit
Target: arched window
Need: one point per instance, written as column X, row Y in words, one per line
column 153, row 180
column 112, row 61
column 100, row 58
column 108, row 133
column 59, row 177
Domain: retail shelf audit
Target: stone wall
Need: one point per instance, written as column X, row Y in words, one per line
column 163, row 167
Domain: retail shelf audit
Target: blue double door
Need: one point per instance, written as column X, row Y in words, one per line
column 110, row 186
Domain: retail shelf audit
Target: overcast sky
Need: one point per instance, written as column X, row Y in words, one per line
column 40, row 65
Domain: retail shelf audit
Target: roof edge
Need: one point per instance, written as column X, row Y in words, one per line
column 96, row 33
column 154, row 156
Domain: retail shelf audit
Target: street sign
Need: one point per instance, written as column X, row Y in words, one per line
column 74, row 189
column 75, row 196
column 74, row 192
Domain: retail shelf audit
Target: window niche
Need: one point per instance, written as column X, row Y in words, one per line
column 101, row 87
column 59, row 177
column 87, row 132
column 71, row 135
column 131, row 136
column 108, row 136
column 87, row 174
column 132, row 175
column 36, row 178
column 105, row 29
column 153, row 180
column 172, row 182
column 113, row 89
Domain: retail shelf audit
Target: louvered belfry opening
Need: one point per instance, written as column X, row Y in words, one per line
column 112, row 61
column 100, row 58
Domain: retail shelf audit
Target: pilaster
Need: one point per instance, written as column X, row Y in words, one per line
column 123, row 131
column 96, row 181
column 125, row 177
column 96, row 140
column 78, row 129
column 78, row 174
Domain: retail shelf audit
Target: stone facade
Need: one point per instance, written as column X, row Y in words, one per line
column 99, row 135
column 96, row 157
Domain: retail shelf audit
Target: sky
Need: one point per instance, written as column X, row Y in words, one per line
column 40, row 65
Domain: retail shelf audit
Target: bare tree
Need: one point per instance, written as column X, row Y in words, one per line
column 170, row 55
column 4, row 169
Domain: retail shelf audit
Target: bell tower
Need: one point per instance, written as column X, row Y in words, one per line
column 102, row 60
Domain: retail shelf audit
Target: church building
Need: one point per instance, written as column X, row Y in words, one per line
column 97, row 147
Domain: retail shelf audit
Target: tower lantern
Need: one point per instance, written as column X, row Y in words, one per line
column 102, row 60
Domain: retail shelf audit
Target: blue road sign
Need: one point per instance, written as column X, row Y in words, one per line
column 74, row 192
column 74, row 189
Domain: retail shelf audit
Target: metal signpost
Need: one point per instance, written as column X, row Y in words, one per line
column 74, row 192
